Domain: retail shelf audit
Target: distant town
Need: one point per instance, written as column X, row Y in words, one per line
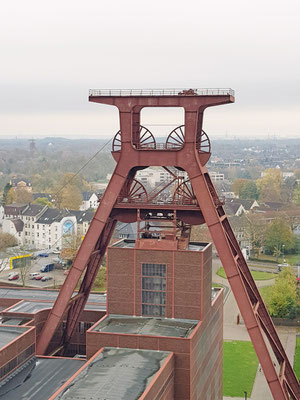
column 44, row 199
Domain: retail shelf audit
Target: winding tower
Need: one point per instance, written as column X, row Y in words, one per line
column 194, row 202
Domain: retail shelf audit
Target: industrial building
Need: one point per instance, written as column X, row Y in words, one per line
column 158, row 333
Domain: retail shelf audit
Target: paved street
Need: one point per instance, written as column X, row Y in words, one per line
column 57, row 275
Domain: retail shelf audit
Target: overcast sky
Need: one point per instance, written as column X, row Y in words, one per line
column 53, row 52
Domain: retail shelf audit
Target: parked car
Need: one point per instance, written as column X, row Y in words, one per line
column 32, row 275
column 43, row 254
column 13, row 276
column 56, row 251
column 47, row 268
column 66, row 272
column 46, row 278
column 283, row 265
column 38, row 277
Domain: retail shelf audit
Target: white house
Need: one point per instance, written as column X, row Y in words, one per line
column 14, row 226
column 52, row 226
column 29, row 216
column 89, row 200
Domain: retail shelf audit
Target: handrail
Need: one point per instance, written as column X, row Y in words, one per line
column 161, row 92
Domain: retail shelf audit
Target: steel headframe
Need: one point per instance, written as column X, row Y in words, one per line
column 130, row 156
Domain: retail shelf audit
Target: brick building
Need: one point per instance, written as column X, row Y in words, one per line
column 161, row 299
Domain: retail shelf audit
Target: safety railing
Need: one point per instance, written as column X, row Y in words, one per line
column 181, row 201
column 157, row 146
column 161, row 92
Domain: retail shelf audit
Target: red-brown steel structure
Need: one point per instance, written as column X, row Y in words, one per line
column 195, row 201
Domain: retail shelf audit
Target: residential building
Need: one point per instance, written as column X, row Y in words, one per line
column 29, row 216
column 89, row 200
column 216, row 176
column 83, row 219
column 13, row 210
column 15, row 227
column 232, row 207
column 21, row 183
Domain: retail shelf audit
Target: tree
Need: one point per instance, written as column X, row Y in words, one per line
column 74, row 180
column 245, row 189
column 283, row 301
column 43, row 201
column 254, row 231
column 71, row 198
column 269, row 186
column 296, row 195
column 6, row 189
column 100, row 281
column 7, row 240
column 25, row 268
column 71, row 244
column 68, row 193
column 278, row 233
column 23, row 196
column 11, row 196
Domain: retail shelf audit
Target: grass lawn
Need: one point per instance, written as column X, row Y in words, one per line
column 257, row 275
column 239, row 368
column 297, row 358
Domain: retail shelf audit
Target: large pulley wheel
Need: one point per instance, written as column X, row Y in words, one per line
column 203, row 147
column 135, row 193
column 145, row 140
column 184, row 194
column 176, row 138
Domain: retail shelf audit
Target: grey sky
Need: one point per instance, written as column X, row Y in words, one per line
column 53, row 52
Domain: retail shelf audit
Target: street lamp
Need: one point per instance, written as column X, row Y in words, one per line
column 245, row 393
column 283, row 252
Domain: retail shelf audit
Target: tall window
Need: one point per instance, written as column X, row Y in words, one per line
column 153, row 289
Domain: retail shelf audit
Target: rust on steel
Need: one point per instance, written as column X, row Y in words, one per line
column 195, row 201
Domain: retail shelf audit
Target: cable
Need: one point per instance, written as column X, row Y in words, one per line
column 80, row 169
column 84, row 165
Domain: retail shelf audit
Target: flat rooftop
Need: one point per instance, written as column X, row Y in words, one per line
column 115, row 374
column 129, row 244
column 9, row 333
column 13, row 321
column 39, row 378
column 31, row 307
column 168, row 327
column 37, row 294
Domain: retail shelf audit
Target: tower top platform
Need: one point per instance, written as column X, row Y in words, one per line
column 161, row 92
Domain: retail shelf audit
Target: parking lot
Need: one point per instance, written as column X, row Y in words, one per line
column 56, row 276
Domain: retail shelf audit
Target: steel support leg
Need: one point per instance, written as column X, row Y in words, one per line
column 83, row 257
column 251, row 305
column 78, row 302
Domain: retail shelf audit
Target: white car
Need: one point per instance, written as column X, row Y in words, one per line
column 280, row 266
column 32, row 275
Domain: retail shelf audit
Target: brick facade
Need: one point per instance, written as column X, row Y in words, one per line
column 198, row 357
